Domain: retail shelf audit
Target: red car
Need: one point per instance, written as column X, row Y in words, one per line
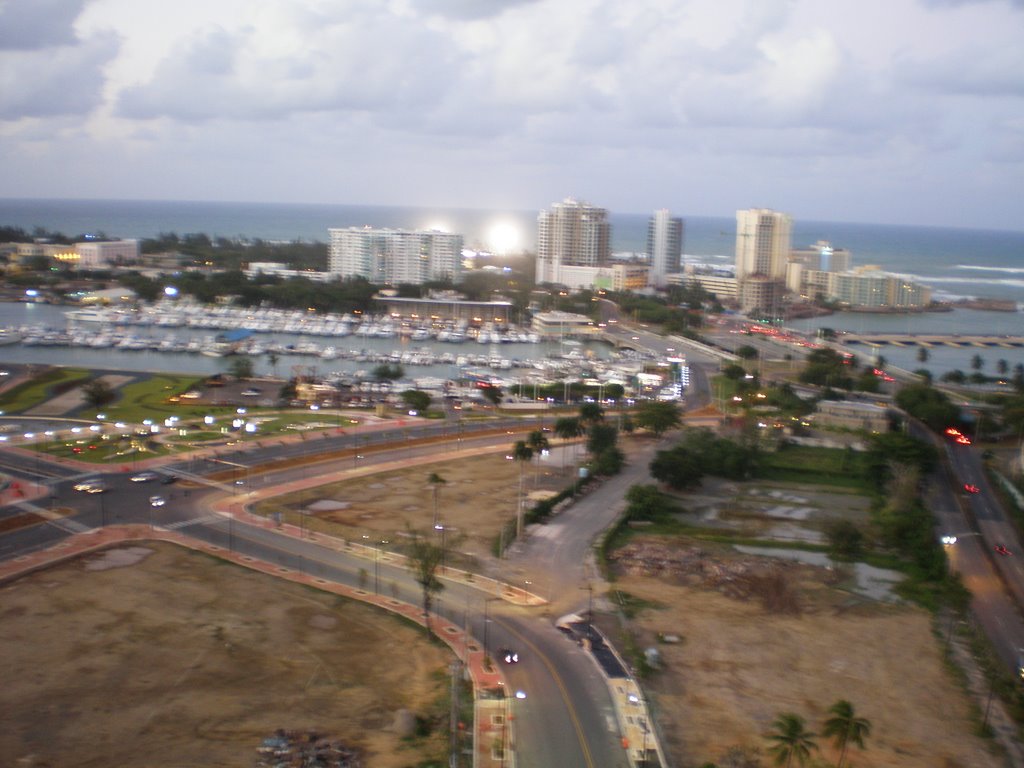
column 1003, row 550
column 971, row 488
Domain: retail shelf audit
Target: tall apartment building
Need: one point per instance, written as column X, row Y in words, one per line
column 664, row 247
column 393, row 256
column 763, row 243
column 573, row 242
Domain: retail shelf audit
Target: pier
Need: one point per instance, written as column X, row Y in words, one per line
column 931, row 340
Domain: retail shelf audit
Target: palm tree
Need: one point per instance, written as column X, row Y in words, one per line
column 977, row 362
column 568, row 428
column 522, row 453
column 845, row 728
column 538, row 443
column 923, row 354
column 436, row 481
column 792, row 739
column 591, row 413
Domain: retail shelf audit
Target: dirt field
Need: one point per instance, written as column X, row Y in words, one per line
column 158, row 656
column 738, row 666
column 477, row 496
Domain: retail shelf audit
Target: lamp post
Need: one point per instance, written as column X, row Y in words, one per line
column 440, row 528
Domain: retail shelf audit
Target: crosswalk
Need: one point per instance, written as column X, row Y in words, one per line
column 194, row 521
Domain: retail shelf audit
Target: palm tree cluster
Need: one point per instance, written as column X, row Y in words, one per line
column 791, row 741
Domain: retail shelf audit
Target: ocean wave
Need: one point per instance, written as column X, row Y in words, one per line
column 968, row 281
column 1006, row 270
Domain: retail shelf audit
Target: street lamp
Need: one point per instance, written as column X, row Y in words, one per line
column 440, row 528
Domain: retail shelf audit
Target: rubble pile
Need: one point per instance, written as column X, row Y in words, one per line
column 304, row 749
column 740, row 578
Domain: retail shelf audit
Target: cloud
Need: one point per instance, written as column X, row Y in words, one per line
column 28, row 25
column 66, row 80
column 282, row 63
column 466, row 9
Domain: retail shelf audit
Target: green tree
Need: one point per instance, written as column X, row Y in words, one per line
column 98, row 393
column 539, row 444
column 923, row 354
column 929, row 405
column 426, row 556
column 568, row 428
column 1002, row 367
column 492, row 394
column 416, row 400
column 591, row 413
column 746, row 352
column 678, row 468
column 601, row 437
column 646, row 502
column 977, row 362
column 791, row 740
column 845, row 728
column 388, row 372
column 734, row 372
column 522, row 454
column 658, row 416
column 241, row 367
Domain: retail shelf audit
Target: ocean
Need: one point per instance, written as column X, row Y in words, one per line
column 956, row 263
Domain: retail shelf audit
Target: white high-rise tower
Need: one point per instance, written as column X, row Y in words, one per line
column 664, row 246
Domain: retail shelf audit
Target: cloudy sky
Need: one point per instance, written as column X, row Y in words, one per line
column 901, row 111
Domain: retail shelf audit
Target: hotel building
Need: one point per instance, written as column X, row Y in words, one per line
column 394, row 256
column 763, row 244
column 573, row 244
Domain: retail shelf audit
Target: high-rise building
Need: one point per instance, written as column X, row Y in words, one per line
column 570, row 235
column 393, row 256
column 762, row 253
column 664, row 246
column 762, row 243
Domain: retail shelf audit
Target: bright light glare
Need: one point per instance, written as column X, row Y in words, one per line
column 504, row 237
column 438, row 226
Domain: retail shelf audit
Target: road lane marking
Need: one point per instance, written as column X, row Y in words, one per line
column 561, row 687
column 194, row 521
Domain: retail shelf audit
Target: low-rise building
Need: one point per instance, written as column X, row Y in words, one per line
column 844, row 414
column 555, row 324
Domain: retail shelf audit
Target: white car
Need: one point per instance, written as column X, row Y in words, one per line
column 144, row 477
column 157, row 501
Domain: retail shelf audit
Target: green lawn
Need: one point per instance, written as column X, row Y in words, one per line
column 41, row 388
column 834, row 467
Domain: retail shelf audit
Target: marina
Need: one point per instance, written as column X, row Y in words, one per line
column 286, row 343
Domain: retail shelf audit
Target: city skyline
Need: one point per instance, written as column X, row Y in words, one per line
column 814, row 108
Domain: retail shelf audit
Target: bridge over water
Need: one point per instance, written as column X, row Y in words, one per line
column 931, row 340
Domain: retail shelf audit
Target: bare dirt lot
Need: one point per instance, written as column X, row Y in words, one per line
column 476, row 497
column 157, row 656
column 739, row 665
